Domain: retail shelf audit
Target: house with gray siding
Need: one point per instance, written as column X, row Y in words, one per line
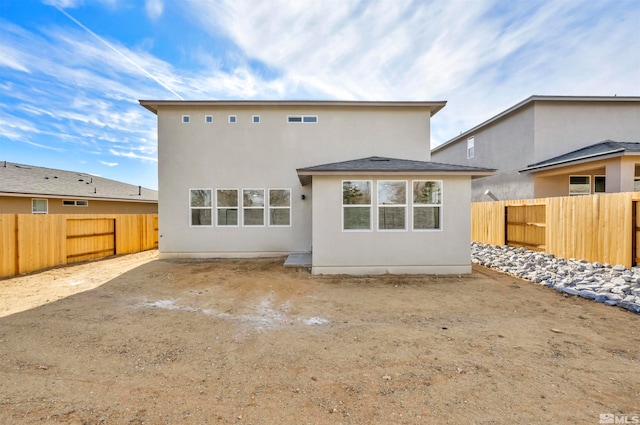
column 553, row 146
column 348, row 185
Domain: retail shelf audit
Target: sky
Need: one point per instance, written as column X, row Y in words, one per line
column 72, row 71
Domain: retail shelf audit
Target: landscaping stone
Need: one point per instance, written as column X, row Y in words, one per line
column 611, row 285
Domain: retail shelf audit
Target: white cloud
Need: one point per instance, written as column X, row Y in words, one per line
column 133, row 155
column 154, row 9
column 109, row 164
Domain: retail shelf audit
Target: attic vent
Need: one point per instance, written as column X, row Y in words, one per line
column 80, row 180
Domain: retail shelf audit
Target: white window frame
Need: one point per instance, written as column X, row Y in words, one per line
column 233, row 119
column 636, row 184
column 46, row 204
column 379, row 205
column 263, row 208
column 191, row 208
column 208, row 119
column 238, row 207
column 580, row 193
column 471, row 147
column 605, row 183
column 75, row 203
column 430, row 205
column 255, row 119
column 186, row 119
column 369, row 205
column 302, row 119
column 271, row 207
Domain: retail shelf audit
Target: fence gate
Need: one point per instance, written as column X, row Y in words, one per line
column 525, row 226
column 90, row 238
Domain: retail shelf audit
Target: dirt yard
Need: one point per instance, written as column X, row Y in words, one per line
column 249, row 342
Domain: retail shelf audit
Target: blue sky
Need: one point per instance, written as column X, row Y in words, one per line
column 72, row 71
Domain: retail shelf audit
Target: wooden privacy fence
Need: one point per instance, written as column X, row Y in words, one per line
column 30, row 242
column 601, row 227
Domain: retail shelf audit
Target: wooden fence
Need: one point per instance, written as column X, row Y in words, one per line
column 30, row 242
column 601, row 227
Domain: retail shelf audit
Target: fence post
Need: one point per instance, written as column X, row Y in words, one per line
column 506, row 224
column 634, row 231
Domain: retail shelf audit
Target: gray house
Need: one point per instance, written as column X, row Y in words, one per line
column 553, row 146
column 349, row 184
column 27, row 189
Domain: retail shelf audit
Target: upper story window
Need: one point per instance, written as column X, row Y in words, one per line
column 255, row 119
column 200, row 206
column 186, row 119
column 208, row 119
column 579, row 185
column 39, row 206
column 392, row 205
column 233, row 119
column 312, row 119
column 471, row 151
column 356, row 205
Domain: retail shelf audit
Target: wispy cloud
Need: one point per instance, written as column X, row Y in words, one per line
column 109, row 164
column 154, row 8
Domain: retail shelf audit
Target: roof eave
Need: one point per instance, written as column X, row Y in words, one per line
column 82, row 197
column 582, row 160
column 306, row 175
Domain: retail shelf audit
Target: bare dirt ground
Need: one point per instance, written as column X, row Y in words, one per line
column 249, row 342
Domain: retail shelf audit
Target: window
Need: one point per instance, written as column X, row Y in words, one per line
column 208, row 119
column 279, row 207
column 200, row 206
column 39, row 206
column 427, row 205
column 186, row 119
column 392, row 205
column 636, row 184
column 599, row 184
column 579, row 185
column 302, row 118
column 233, row 119
column 471, row 151
column 72, row 203
column 356, row 205
column 253, row 207
column 227, row 207
column 255, row 119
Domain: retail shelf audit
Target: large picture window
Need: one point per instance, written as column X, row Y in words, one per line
column 427, row 205
column 227, row 207
column 356, row 205
column 200, row 206
column 392, row 205
column 279, row 207
column 253, row 207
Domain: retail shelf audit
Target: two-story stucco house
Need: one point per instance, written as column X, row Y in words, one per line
column 553, row 146
column 350, row 183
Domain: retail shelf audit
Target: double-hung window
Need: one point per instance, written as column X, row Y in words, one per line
column 200, row 206
column 356, row 205
column 392, row 205
column 471, row 147
column 279, row 207
column 253, row 207
column 39, row 206
column 227, row 207
column 427, row 204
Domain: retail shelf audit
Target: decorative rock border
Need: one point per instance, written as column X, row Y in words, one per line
column 612, row 285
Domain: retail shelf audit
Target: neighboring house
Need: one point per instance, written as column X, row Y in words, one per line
column 553, row 146
column 27, row 189
column 246, row 179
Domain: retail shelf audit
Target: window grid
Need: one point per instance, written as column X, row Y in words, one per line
column 427, row 205
column 305, row 119
column 200, row 207
column 280, row 207
column 356, row 205
column 253, row 207
column 392, row 205
column 39, row 206
column 227, row 211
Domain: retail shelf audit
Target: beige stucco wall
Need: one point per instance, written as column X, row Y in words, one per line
column 22, row 205
column 370, row 252
column 266, row 155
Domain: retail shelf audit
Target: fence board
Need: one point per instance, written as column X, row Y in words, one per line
column 31, row 242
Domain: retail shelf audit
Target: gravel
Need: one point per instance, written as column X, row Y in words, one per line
column 612, row 285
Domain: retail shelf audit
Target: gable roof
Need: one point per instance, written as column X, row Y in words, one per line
column 529, row 101
column 607, row 148
column 386, row 166
column 434, row 106
column 28, row 180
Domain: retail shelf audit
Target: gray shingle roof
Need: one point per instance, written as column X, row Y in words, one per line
column 31, row 180
column 596, row 151
column 383, row 165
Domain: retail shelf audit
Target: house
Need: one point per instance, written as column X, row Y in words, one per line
column 550, row 146
column 27, row 189
column 348, row 187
